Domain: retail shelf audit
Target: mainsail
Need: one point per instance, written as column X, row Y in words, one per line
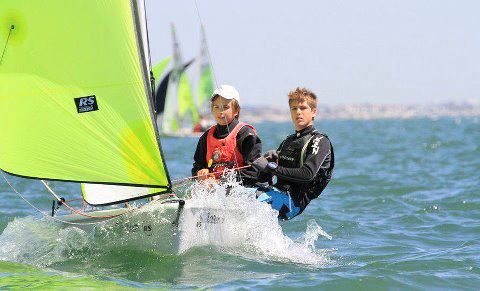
column 75, row 96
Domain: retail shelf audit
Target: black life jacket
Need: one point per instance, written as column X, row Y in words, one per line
column 292, row 155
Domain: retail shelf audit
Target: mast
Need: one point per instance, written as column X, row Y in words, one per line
column 139, row 16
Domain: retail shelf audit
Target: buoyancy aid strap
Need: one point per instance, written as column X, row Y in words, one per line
column 209, row 137
column 234, row 131
column 238, row 127
column 211, row 130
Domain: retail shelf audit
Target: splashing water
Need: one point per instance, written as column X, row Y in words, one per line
column 40, row 242
column 313, row 232
column 251, row 228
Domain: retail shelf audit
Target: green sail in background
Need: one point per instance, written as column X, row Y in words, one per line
column 205, row 89
column 180, row 112
column 58, row 53
column 205, row 84
column 187, row 111
column 159, row 69
column 170, row 112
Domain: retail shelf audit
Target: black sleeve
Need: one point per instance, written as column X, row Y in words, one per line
column 250, row 145
column 315, row 156
column 199, row 160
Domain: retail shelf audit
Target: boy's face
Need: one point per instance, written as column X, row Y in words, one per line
column 222, row 110
column 302, row 115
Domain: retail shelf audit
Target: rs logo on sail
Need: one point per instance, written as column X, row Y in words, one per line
column 86, row 104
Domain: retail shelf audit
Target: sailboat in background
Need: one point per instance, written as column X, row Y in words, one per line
column 76, row 105
column 185, row 117
column 161, row 88
column 159, row 69
column 177, row 112
column 205, row 85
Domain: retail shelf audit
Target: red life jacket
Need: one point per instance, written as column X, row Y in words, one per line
column 221, row 153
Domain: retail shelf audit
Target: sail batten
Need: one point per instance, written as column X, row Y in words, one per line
column 75, row 94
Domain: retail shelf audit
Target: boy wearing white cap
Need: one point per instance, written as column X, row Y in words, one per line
column 230, row 143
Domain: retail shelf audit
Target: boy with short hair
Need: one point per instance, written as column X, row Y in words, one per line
column 230, row 143
column 302, row 166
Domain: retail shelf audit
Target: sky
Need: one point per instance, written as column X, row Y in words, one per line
column 346, row 51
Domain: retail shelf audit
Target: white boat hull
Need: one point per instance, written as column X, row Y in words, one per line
column 163, row 226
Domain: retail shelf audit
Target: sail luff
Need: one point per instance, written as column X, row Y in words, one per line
column 142, row 38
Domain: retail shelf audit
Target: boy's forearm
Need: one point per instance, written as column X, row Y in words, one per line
column 196, row 167
column 251, row 149
column 295, row 175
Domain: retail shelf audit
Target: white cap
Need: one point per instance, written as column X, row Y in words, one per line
column 227, row 92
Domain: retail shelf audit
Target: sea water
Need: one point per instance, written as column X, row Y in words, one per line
column 402, row 212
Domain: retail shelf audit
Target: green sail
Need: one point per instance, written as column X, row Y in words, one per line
column 57, row 53
column 187, row 110
column 205, row 84
column 205, row 88
column 159, row 68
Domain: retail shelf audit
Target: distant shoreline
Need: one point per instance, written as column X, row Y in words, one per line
column 367, row 111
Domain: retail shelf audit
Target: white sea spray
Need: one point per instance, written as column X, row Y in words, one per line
column 40, row 242
column 244, row 226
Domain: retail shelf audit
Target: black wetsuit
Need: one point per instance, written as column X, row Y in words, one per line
column 304, row 177
column 248, row 143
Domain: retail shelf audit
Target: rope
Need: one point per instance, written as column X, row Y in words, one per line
column 197, row 176
column 78, row 211
column 8, row 38
column 39, row 210
column 72, row 209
